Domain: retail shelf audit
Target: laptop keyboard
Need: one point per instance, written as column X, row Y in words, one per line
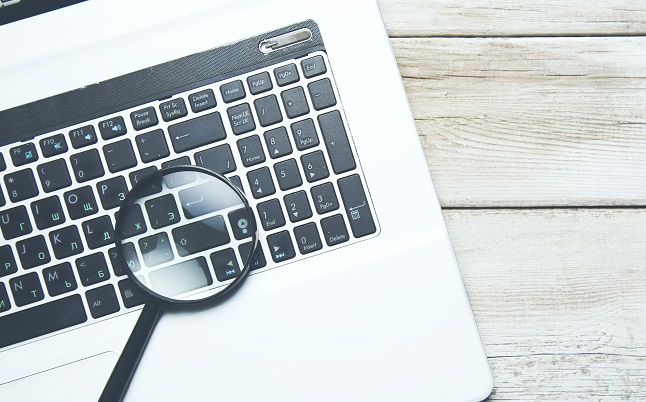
column 278, row 133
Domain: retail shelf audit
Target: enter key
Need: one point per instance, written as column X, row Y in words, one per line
column 356, row 206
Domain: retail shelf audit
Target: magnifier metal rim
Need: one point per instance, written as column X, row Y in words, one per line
column 159, row 174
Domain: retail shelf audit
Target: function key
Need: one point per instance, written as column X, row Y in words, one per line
column 202, row 100
column 173, row 109
column 313, row 66
column 20, row 185
column 23, row 154
column 280, row 246
column 286, row 75
column 82, row 137
column 232, row 91
column 259, row 83
column 144, row 118
column 112, row 128
column 54, row 145
column 54, row 175
column 307, row 238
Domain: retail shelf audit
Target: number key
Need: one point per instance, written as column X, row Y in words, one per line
column 87, row 165
column 54, row 175
column 251, row 151
column 324, row 198
column 298, row 206
column 261, row 183
column 21, row 185
column 315, row 166
column 287, row 174
column 278, row 143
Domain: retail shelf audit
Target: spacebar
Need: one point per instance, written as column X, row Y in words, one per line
column 41, row 320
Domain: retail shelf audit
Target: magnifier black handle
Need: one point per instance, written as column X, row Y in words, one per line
column 117, row 384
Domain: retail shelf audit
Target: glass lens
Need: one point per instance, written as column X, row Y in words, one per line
column 185, row 234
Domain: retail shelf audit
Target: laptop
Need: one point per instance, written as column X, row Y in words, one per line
column 354, row 293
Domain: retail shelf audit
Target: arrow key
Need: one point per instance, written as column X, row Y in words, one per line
column 261, row 183
column 225, row 264
column 298, row 206
column 280, row 246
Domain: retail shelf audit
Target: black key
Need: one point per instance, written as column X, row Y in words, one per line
column 307, row 238
column 130, row 293
column 2, row 200
column 196, row 132
column 294, row 102
column 261, row 183
column 130, row 256
column 102, row 301
column 336, row 142
column 98, row 232
column 152, row 146
column 135, row 223
column 41, row 320
column 162, row 211
column 334, row 230
column 241, row 119
column 66, row 242
column 238, row 220
column 280, row 246
column 115, row 262
column 112, row 192
column 324, row 198
column 8, row 264
column 92, row 269
column 287, row 174
column 314, row 166
column 155, row 249
column 26, row 289
column 54, row 175
column 225, row 264
column 112, row 128
column 152, row 187
column 48, row 212
column 232, row 91
column 119, row 156
column 144, row 118
column 298, row 206
column 258, row 260
column 251, row 151
column 286, row 75
column 87, row 165
column 313, row 66
column 202, row 100
column 173, row 109
column 80, row 202
column 259, row 83
column 278, row 142
column 201, row 199
column 194, row 273
column 59, row 279
column 15, row 222
column 356, row 206
column 20, row 185
column 268, row 111
column 202, row 235
column 322, row 94
column 5, row 303
column 33, row 252
column 54, row 145
column 3, row 164
column 270, row 214
column 23, row 154
column 237, row 182
column 218, row 159
column 82, row 137
column 183, row 161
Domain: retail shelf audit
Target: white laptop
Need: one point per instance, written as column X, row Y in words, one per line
column 355, row 294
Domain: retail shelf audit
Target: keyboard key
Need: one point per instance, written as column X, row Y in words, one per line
column 54, row 145
column 278, row 142
column 237, row 182
column 270, row 214
column 144, row 118
column 294, row 102
column 20, row 185
column 287, row 174
column 59, row 279
column 152, row 146
column 196, row 132
column 173, row 109
column 202, row 235
column 334, row 230
column 238, row 220
column 41, row 320
column 98, row 232
column 298, row 206
column 8, row 264
column 3, row 164
column 225, row 264
column 119, row 156
column 356, row 206
column 286, row 75
column 202, row 100
column 241, row 119
column 183, row 161
column 313, row 66
column 304, row 134
column 218, row 159
column 151, row 188
column 66, row 242
column 2, row 200
column 131, row 294
column 259, row 83
column 194, row 273
column 155, row 249
column 5, row 303
column 80, row 202
column 23, row 154
column 261, row 183
column 102, row 301
column 33, row 252
column 131, row 257
column 26, row 289
column 135, row 223
column 15, row 222
column 258, row 260
column 232, row 91
column 251, row 151
column 201, row 199
column 82, row 137
column 268, row 111
column 280, row 246
column 314, row 166
column 336, row 142
column 322, row 94
column 112, row 192
column 92, row 269
column 48, row 212
column 87, row 165
column 307, row 238
column 117, row 268
column 162, row 211
column 324, row 198
column 112, row 128
column 54, row 175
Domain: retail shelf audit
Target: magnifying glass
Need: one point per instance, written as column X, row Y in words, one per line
column 185, row 235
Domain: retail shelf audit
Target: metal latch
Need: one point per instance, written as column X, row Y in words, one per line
column 284, row 40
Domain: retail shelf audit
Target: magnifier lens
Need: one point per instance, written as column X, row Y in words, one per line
column 186, row 234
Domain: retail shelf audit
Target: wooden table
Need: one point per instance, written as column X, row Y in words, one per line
column 533, row 119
